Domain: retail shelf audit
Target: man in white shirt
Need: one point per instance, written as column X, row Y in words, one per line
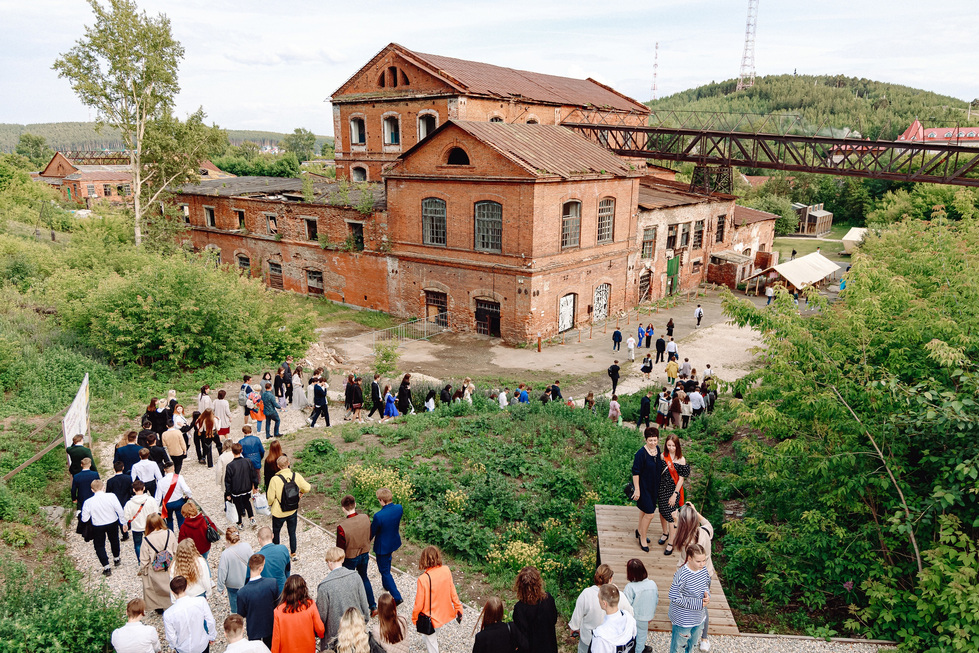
column 188, row 624
column 618, row 631
column 631, row 346
column 147, row 471
column 234, row 630
column 696, row 402
column 672, row 352
column 588, row 613
column 504, row 402
column 136, row 637
column 106, row 514
column 699, row 314
column 171, row 501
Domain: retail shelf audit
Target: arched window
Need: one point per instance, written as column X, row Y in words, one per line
column 606, row 219
column 404, row 78
column 972, row 134
column 496, row 119
column 358, row 173
column 570, row 224
column 393, row 76
column 532, row 121
column 458, row 157
column 433, row 221
column 489, row 226
column 392, row 131
column 427, row 123
column 381, row 81
column 358, row 131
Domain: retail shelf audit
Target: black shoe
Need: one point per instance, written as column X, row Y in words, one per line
column 117, row 562
column 398, row 602
column 644, row 548
column 663, row 539
column 125, row 537
column 159, row 610
column 106, row 572
column 669, row 550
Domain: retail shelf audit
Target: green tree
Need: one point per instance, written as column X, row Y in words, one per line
column 302, row 142
column 781, row 206
column 125, row 67
column 34, row 148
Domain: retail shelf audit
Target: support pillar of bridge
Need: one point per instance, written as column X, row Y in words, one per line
column 712, row 179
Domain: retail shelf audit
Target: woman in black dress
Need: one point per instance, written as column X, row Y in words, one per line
column 669, row 328
column 534, row 615
column 404, row 395
column 647, row 467
column 675, row 472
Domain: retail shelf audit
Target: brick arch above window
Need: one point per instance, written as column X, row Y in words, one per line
column 434, row 286
column 485, row 294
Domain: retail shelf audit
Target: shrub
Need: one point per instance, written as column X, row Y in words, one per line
column 364, row 481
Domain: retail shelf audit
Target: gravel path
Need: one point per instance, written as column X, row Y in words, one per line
column 313, row 542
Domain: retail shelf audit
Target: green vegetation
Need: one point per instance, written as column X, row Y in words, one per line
column 302, row 143
column 24, row 200
column 260, row 165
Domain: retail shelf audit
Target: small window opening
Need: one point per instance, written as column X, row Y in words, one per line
column 311, row 231
column 209, row 217
column 358, row 174
column 426, row 125
column 458, row 157
column 357, row 236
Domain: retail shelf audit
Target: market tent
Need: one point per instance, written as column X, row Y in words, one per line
column 806, row 270
column 853, row 238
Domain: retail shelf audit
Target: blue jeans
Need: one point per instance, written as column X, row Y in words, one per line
column 685, row 639
column 359, row 564
column 233, row 599
column 173, row 508
column 290, row 523
column 642, row 631
column 387, row 580
column 137, row 542
column 258, row 425
column 268, row 426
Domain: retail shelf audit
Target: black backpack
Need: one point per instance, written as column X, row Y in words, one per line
column 289, row 499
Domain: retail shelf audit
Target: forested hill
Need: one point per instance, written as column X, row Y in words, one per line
column 83, row 136
column 875, row 109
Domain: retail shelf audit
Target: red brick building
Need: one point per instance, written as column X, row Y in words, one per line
column 749, row 248
column 87, row 177
column 401, row 96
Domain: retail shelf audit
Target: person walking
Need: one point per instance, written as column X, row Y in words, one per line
column 391, row 631
column 660, row 350
column 588, row 613
column 631, row 347
column 147, row 471
column 240, row 483
column 689, row 598
column 390, row 405
column 204, row 401
column 640, row 335
column 672, row 351
column 493, row 636
column 296, row 622
column 175, row 444
column 77, row 452
column 188, row 623
column 647, row 468
column 121, row 485
column 287, row 380
column 341, row 590
column 642, row 592
column 271, row 412
column 534, row 615
column 669, row 328
column 649, row 334
column 81, row 485
column 128, row 453
column 356, row 400
column 377, row 399
column 386, row 533
column 354, row 537
column 613, row 373
column 244, row 396
column 672, row 372
column 171, row 495
column 252, row 448
column 257, row 410
column 671, row 495
column 271, row 466
column 234, row 631
column 233, row 566
column 299, row 389
column 156, row 557
column 699, row 314
column 257, row 599
column 195, row 528
column 616, row 340
column 615, row 410
column 156, row 415
column 158, row 454
column 279, row 388
column 135, row 636
column 284, row 492
column 647, row 366
column 190, row 564
column 221, row 466
column 320, row 407
column 106, row 516
column 769, row 294
column 222, row 415
column 136, row 511
column 617, row 631
column 685, row 369
column 278, row 564
column 435, row 596
column 207, row 427
column 693, row 528
column 404, row 395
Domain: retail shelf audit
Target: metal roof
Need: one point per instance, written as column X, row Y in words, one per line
column 744, row 215
column 281, row 189
column 101, row 175
column 546, row 150
column 732, row 257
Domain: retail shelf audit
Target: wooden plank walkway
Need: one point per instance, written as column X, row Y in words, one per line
column 617, row 544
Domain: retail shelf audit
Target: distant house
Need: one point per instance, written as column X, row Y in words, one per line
column 853, row 238
column 917, row 132
column 750, row 249
column 87, row 177
column 814, row 220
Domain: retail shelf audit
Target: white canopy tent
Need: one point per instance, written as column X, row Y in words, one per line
column 799, row 273
column 853, row 238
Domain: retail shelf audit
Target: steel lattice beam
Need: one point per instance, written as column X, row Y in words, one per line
column 935, row 163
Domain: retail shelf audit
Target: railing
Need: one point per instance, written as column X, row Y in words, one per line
column 419, row 329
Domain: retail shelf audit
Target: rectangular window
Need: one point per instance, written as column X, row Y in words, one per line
column 311, row 229
column 433, row 221
column 648, row 242
column 244, row 263
column 392, row 131
column 314, row 282
column 209, row 216
column 275, row 275
column 606, row 218
column 123, row 190
column 698, row 234
column 571, row 225
column 489, row 227
column 272, row 223
column 91, row 190
column 358, row 131
column 685, row 234
column 240, row 218
column 186, row 211
column 356, row 236
column 671, row 236
column 721, row 219
column 107, row 190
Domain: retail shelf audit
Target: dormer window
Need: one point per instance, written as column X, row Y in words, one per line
column 457, row 157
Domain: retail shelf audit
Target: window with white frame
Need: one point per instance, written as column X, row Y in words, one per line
column 358, row 131
column 433, row 221
column 185, row 210
column 107, row 190
column 90, row 188
column 648, row 242
column 606, row 219
column 209, row 216
column 427, row 123
column 570, row 224
column 489, row 226
column 392, row 131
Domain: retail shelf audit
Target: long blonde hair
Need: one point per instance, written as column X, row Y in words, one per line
column 185, row 562
column 352, row 635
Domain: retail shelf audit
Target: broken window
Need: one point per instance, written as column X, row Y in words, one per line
column 311, row 229
column 357, row 236
column 392, row 131
column 107, row 190
column 721, row 219
column 275, row 275
column 489, row 226
column 433, row 221
column 496, row 119
column 571, row 225
column 426, row 125
column 358, row 131
column 123, row 190
column 671, row 236
column 240, row 217
column 685, row 234
column 358, row 174
column 458, row 157
column 272, row 223
column 314, row 282
column 185, row 209
column 698, row 234
column 606, row 216
column 244, row 263
column 648, row 242
column 209, row 216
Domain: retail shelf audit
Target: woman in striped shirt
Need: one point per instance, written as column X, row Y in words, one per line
column 689, row 597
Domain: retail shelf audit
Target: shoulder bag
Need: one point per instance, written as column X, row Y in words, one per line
column 212, row 534
column 424, row 624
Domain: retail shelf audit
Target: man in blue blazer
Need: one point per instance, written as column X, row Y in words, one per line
column 387, row 539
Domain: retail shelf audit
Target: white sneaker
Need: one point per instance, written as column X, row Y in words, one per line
column 704, row 644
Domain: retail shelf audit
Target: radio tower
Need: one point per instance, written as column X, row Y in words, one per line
column 747, row 77
column 656, row 67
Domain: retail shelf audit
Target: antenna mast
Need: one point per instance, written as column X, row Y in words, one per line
column 747, row 77
column 655, row 67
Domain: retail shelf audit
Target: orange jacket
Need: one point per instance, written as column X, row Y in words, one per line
column 296, row 632
column 444, row 604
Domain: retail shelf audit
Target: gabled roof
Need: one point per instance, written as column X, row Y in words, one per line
column 486, row 80
column 917, row 132
column 542, row 150
column 807, row 270
column 743, row 215
column 101, row 175
column 659, row 193
column 281, row 189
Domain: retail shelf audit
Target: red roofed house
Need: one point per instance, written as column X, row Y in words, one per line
column 916, row 132
column 402, row 96
column 750, row 249
column 85, row 177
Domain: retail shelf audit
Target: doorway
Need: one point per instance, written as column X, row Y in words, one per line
column 602, row 294
column 436, row 305
column 565, row 320
column 488, row 318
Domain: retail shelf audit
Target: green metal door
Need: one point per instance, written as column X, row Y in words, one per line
column 672, row 275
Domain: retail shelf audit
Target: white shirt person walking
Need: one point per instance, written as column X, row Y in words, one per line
column 631, row 346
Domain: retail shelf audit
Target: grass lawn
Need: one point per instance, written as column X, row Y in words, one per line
column 830, row 249
column 328, row 311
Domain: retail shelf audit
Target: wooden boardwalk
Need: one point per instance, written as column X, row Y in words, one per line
column 617, row 544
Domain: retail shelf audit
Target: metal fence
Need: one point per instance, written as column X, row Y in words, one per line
column 418, row 329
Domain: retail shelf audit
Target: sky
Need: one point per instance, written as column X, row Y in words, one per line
column 272, row 65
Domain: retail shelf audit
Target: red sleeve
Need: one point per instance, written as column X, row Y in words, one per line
column 341, row 538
